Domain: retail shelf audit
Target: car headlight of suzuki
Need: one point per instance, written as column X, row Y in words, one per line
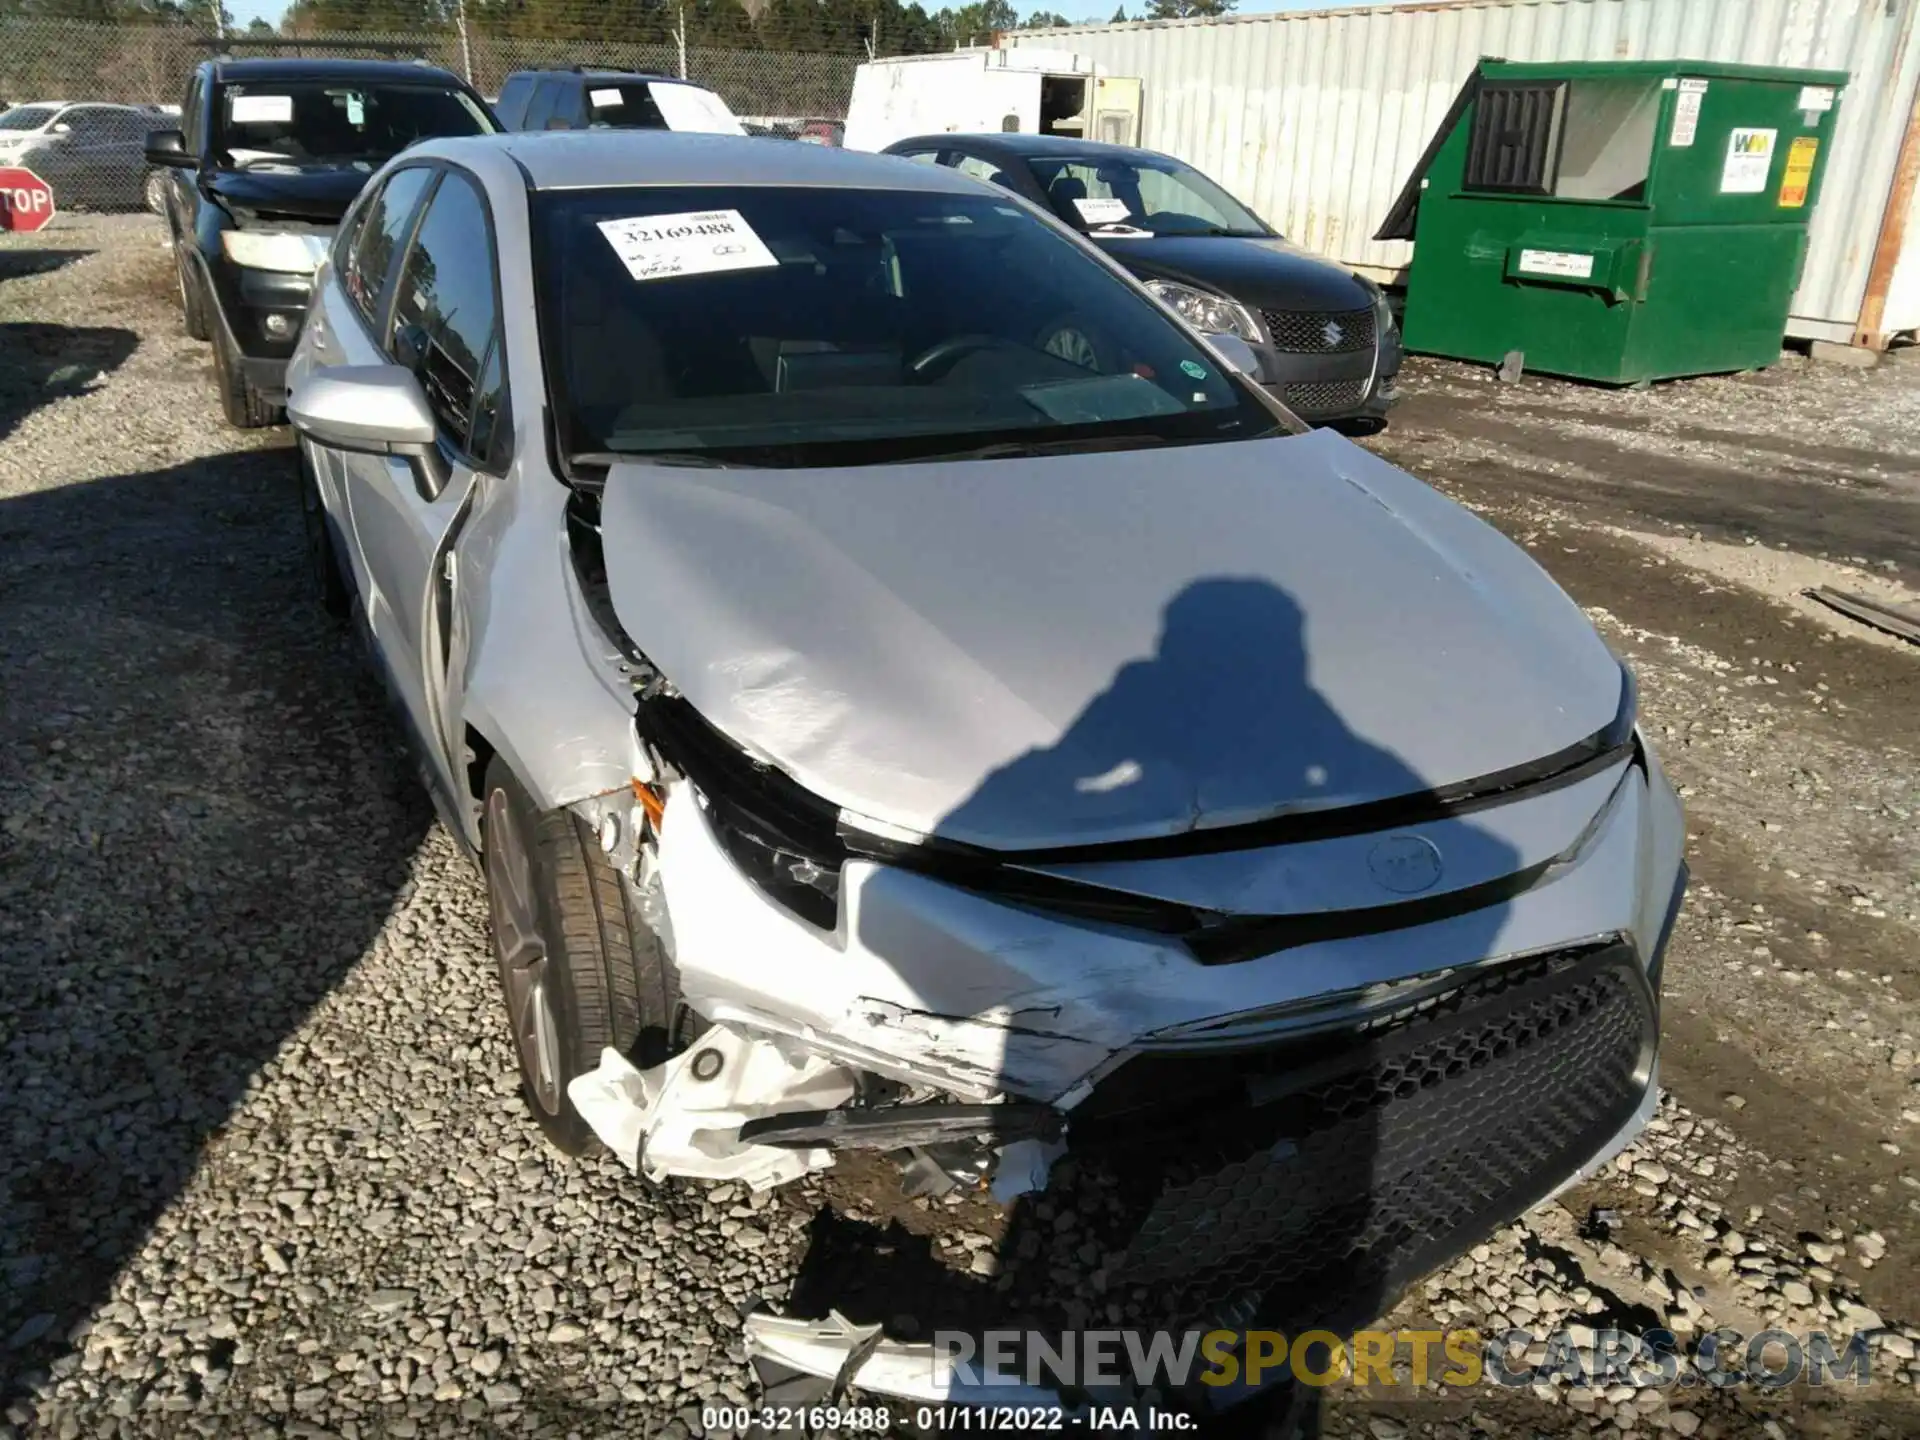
column 288, row 251
column 1382, row 314
column 1207, row 312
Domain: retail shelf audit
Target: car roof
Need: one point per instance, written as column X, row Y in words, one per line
column 583, row 159
column 576, row 72
column 1026, row 146
column 297, row 69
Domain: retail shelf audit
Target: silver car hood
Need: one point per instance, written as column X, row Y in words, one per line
column 1071, row 650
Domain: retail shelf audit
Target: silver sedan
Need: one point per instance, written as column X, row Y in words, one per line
column 885, row 729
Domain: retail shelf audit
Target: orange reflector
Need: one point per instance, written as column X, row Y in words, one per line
column 650, row 802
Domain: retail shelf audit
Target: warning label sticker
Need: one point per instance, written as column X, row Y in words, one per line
column 1798, row 176
column 1686, row 112
column 1749, row 158
column 659, row 247
column 1556, row 262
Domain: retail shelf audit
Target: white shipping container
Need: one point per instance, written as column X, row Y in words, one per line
column 1315, row 118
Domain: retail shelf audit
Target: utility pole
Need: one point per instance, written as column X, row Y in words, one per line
column 680, row 36
column 466, row 50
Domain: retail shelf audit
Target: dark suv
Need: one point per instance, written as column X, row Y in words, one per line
column 269, row 155
column 582, row 99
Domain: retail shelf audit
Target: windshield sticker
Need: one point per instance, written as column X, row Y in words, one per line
column 603, row 98
column 700, row 242
column 1749, row 158
column 260, row 109
column 1194, row 368
column 1102, row 211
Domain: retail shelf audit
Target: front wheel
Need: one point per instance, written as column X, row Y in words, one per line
column 579, row 969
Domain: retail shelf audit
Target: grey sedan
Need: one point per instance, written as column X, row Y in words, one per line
column 881, row 733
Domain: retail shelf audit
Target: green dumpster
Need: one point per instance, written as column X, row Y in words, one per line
column 1616, row 222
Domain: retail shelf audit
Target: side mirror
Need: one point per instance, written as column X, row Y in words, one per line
column 1237, row 353
column 168, row 147
column 372, row 409
column 62, row 128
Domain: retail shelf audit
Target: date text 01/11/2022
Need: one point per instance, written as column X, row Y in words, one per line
column 877, row 1419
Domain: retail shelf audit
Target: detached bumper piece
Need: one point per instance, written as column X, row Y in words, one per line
column 1284, row 1188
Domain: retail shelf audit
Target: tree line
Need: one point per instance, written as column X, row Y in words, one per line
column 885, row 27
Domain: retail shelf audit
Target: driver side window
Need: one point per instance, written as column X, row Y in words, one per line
column 446, row 317
column 379, row 235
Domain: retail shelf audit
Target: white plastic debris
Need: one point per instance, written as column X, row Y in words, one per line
column 684, row 1117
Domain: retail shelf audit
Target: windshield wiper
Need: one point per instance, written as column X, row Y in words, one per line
column 1011, row 449
column 690, row 459
column 1119, row 229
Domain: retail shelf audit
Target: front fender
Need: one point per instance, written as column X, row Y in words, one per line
column 530, row 691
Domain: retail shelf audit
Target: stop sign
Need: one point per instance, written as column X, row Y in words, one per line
column 26, row 201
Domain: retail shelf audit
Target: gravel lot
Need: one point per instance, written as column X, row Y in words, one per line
column 265, row 1166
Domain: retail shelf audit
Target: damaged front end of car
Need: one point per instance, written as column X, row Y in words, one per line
column 1269, row 1071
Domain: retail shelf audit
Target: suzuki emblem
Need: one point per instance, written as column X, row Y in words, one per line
column 1334, row 334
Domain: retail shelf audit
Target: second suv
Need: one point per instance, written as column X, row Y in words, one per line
column 267, row 158
column 581, row 99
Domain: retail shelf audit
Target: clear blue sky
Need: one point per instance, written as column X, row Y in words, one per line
column 244, row 11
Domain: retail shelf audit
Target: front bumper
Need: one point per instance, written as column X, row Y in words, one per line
column 1324, row 389
column 248, row 305
column 1277, row 1143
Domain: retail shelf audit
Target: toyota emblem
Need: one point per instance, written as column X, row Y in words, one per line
column 1333, row 333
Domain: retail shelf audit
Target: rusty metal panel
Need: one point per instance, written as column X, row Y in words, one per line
column 1316, row 117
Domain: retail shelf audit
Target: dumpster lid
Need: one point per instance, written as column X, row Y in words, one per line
column 1399, row 221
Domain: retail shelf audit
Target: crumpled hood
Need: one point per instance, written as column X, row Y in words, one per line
column 321, row 194
column 1077, row 649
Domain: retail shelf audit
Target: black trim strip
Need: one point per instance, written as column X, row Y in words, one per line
column 1250, row 937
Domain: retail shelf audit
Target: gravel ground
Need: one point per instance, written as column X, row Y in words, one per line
column 267, row 1171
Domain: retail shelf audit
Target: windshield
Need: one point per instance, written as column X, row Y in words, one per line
column 279, row 124
column 813, row 326
column 28, row 117
column 1156, row 194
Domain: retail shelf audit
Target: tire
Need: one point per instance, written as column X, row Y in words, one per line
column 323, row 556
column 193, row 304
column 567, row 941
column 245, row 407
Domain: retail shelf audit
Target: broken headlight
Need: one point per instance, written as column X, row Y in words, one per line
column 786, row 870
column 782, row 838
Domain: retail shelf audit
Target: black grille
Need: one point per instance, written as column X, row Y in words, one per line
column 1306, row 332
column 1319, row 397
column 1308, row 1184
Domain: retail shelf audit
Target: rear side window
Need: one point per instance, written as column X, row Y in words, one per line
column 381, row 234
column 623, row 105
column 546, row 95
column 514, row 95
column 444, row 312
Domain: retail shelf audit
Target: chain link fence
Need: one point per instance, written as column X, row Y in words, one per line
column 117, row 79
